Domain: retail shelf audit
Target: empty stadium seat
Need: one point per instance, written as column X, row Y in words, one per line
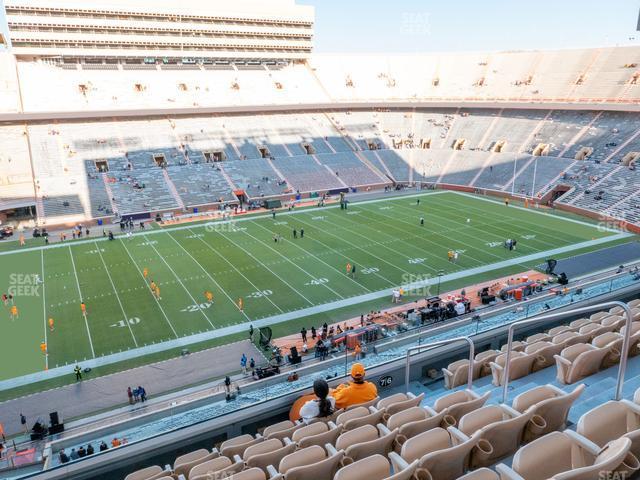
column 613, row 342
column 612, row 420
column 569, row 338
column 579, row 361
column 456, row 404
column 365, row 441
column 330, row 435
column 307, row 463
column 544, row 352
column 443, row 454
column 184, row 463
column 499, row 425
column 149, row 473
column 359, row 416
column 568, row 456
column 399, row 402
column 549, row 403
column 415, row 420
column 237, row 445
column 521, row 365
column 217, row 467
column 257, row 456
column 456, row 373
column 375, row 467
column 480, row 474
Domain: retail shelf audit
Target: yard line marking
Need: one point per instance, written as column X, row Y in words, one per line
column 317, row 258
column 147, row 287
column 126, row 317
column 232, row 266
column 195, row 302
column 44, row 313
column 292, row 263
column 272, row 272
column 86, row 322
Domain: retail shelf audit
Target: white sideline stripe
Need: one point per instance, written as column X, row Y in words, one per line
column 86, row 322
column 204, row 224
column 126, row 317
column 285, row 317
column 44, row 311
column 164, row 314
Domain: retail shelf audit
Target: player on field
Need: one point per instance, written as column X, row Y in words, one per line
column 14, row 312
column 348, row 269
column 51, row 328
column 422, row 221
column 5, row 299
column 153, row 286
column 209, row 296
column 450, row 255
column 241, row 304
column 145, row 272
column 83, row 307
column 43, row 347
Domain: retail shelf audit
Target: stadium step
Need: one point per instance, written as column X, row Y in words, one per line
column 173, row 189
column 107, row 187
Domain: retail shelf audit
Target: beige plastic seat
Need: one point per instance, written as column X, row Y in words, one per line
column 258, row 456
column 456, row 404
column 570, row 338
column 549, row 403
column 277, row 427
column 610, row 421
column 442, row 454
column 249, row 474
column 321, row 439
column 552, row 332
column 613, row 341
column 544, row 352
column 391, row 399
column 415, row 420
column 410, row 401
column 483, row 362
column 616, row 322
column 370, row 403
column 184, row 463
column 634, row 339
column 521, row 365
column 307, row 463
column 579, row 361
column 281, row 432
column 237, row 445
column 616, row 311
column 538, row 337
column 456, row 374
column 365, row 441
column 219, row 467
column 516, row 346
column 597, row 317
column 634, row 303
column 375, row 467
column 480, row 474
column 359, row 416
column 595, row 329
column 500, row 426
column 309, row 430
column 579, row 323
column 149, row 473
column 569, row 456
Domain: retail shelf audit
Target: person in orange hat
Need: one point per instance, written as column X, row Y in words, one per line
column 355, row 392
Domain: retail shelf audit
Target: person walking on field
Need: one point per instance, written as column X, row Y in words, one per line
column 303, row 334
column 78, row 372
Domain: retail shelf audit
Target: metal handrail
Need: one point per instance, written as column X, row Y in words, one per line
column 557, row 316
column 472, row 354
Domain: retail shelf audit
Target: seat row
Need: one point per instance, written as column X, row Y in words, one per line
column 578, row 349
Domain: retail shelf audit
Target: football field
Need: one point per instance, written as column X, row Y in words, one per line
column 240, row 260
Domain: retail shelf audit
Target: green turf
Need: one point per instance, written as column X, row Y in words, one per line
column 241, row 260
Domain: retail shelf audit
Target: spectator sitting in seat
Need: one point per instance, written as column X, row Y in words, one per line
column 357, row 391
column 321, row 407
